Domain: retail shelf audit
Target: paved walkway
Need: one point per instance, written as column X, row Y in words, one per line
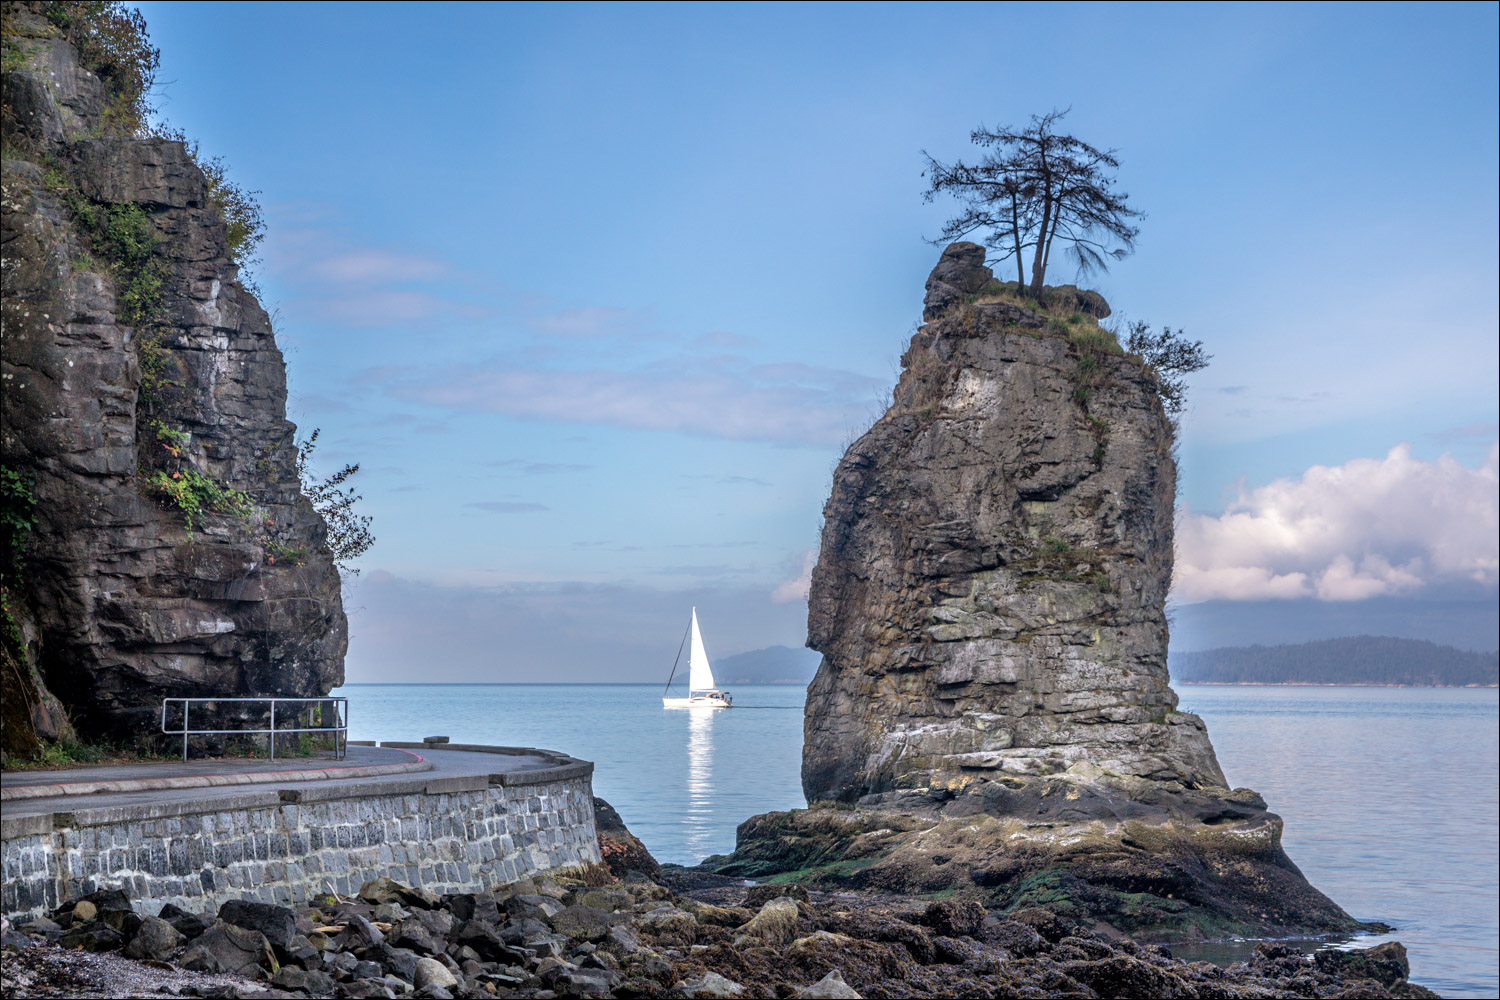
column 358, row 756
column 168, row 778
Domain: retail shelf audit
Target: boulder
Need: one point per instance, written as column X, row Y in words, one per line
column 358, row 933
column 388, row 890
column 312, row 982
column 582, row 923
column 431, row 972
column 473, row 906
column 487, row 943
column 416, row 935
column 94, row 935
column 1385, row 963
column 189, row 925
column 960, row 272
column 954, row 918
column 759, row 895
column 619, row 849
column 711, row 984
column 227, row 948
column 1072, row 299
column 277, row 923
column 830, row 987
column 719, row 916
column 108, row 901
column 776, row 923
column 669, row 925
column 155, row 939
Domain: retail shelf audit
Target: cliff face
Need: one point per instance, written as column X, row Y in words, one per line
column 136, row 364
column 995, row 561
column 992, row 715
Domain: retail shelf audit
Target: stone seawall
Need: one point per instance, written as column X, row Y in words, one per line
column 449, row 834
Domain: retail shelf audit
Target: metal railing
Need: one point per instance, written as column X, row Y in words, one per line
column 340, row 728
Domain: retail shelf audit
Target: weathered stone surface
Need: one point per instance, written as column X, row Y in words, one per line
column 989, row 595
column 775, row 923
column 431, row 972
column 711, row 984
column 227, row 948
column 622, row 851
column 959, row 273
column 154, row 939
column 830, row 987
column 123, row 604
column 388, row 890
column 277, row 923
column 992, row 714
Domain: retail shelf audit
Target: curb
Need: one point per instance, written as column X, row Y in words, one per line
column 22, row 792
column 560, row 766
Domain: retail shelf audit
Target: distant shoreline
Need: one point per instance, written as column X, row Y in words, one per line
column 1328, row 684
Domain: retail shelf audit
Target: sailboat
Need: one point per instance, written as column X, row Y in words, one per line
column 702, row 692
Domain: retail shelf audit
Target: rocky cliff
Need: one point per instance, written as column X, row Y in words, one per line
column 992, row 712
column 171, row 551
column 995, row 561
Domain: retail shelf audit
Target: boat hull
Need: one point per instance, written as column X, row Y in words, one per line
column 698, row 701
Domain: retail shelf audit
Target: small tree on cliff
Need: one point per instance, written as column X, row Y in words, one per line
column 1032, row 187
column 1171, row 358
column 349, row 534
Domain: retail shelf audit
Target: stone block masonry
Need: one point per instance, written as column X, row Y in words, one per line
column 450, row 834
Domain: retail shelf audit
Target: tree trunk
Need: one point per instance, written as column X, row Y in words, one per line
column 1038, row 262
column 1015, row 228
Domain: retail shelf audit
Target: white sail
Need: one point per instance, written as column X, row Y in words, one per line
column 700, row 676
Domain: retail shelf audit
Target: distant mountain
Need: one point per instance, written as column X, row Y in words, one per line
column 1359, row 660
column 772, row 665
column 1472, row 624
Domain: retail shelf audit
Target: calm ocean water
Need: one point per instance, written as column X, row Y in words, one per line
column 1389, row 794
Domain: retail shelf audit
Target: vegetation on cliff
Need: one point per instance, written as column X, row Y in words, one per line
column 171, row 548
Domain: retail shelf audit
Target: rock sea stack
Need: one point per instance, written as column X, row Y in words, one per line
column 993, row 713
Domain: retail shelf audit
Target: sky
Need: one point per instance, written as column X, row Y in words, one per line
column 597, row 295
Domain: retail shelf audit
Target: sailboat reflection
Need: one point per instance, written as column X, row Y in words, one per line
column 700, row 780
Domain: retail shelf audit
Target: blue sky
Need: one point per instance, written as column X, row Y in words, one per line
column 597, row 294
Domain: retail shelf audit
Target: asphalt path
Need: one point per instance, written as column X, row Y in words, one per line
column 445, row 764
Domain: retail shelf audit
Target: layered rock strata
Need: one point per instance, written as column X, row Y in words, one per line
column 992, row 713
column 122, row 596
column 996, row 553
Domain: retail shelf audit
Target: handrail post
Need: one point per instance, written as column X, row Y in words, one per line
column 273, row 730
column 185, row 703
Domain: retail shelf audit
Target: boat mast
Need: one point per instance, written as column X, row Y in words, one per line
column 678, row 660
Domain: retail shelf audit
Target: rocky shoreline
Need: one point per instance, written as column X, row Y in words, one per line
column 613, row 930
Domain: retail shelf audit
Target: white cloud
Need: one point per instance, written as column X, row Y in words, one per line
column 1366, row 528
column 725, row 396
column 796, row 588
column 371, row 265
column 590, row 321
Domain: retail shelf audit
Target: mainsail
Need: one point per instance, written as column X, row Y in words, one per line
column 700, row 676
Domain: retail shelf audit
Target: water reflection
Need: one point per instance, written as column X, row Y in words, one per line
column 699, row 816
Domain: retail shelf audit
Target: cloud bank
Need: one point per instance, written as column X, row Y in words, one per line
column 1367, row 528
column 724, row 396
column 796, row 588
column 469, row 629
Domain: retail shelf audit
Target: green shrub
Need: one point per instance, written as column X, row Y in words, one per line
column 111, row 40
column 17, row 516
column 194, row 494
